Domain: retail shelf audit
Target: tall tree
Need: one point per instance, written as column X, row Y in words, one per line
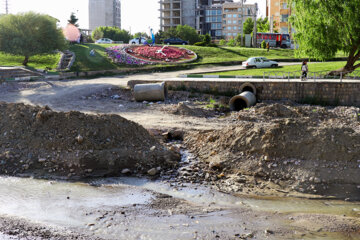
column 187, row 33
column 263, row 25
column 73, row 20
column 248, row 26
column 324, row 27
column 141, row 34
column 29, row 34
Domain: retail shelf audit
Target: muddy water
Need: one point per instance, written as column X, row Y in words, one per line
column 67, row 204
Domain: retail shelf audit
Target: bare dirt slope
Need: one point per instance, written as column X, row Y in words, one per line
column 305, row 148
column 75, row 144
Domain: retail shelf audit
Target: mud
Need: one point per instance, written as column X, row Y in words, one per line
column 37, row 141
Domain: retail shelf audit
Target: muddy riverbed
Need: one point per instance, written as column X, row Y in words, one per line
column 221, row 189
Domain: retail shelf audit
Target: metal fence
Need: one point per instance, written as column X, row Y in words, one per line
column 321, row 75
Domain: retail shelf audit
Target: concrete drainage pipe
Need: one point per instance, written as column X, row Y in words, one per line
column 150, row 92
column 244, row 100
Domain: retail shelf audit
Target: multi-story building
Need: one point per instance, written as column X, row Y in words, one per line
column 209, row 17
column 234, row 15
column 279, row 11
column 104, row 13
column 176, row 12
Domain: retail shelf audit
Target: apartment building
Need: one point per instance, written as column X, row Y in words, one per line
column 104, row 13
column 234, row 15
column 279, row 11
column 209, row 17
column 177, row 12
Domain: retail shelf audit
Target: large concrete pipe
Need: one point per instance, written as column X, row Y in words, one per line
column 150, row 92
column 248, row 87
column 244, row 100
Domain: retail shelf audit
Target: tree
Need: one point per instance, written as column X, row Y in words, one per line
column 187, row 33
column 29, row 34
column 170, row 33
column 325, row 27
column 140, row 34
column 73, row 20
column 248, row 26
column 263, row 25
column 114, row 33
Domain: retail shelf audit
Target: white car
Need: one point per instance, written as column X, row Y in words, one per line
column 104, row 40
column 138, row 40
column 259, row 62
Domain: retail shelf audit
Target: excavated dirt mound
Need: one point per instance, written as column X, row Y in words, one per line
column 39, row 141
column 185, row 110
column 312, row 149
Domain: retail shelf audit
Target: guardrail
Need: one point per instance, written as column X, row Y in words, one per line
column 355, row 75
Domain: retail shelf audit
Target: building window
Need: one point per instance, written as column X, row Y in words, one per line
column 284, row 30
column 207, row 19
column 234, row 27
column 234, row 15
column 239, row 21
column 224, row 21
column 234, row 22
column 213, row 12
column 284, row 18
column 229, row 15
column 224, row 16
column 229, row 28
column 219, row 12
column 229, row 21
column 229, row 34
column 218, row 33
column 218, row 18
column 284, row 6
column 207, row 12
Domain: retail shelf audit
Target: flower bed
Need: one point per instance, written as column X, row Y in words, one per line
column 141, row 55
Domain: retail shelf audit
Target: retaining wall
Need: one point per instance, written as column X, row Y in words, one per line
column 337, row 93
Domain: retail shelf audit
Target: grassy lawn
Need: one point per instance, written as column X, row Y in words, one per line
column 38, row 62
column 85, row 62
column 313, row 67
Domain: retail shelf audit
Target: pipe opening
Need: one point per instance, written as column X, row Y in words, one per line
column 248, row 89
column 239, row 104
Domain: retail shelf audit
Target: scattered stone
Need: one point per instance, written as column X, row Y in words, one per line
column 126, row 171
column 152, row 172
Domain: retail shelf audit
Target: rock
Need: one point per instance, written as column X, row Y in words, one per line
column 125, row 171
column 152, row 172
column 268, row 231
column 79, row 139
column 152, row 148
column 41, row 160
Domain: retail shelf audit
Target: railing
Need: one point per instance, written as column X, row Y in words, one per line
column 321, row 75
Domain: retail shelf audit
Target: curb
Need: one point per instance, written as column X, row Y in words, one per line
column 215, row 76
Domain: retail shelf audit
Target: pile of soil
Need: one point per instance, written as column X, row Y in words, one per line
column 185, row 110
column 38, row 141
column 304, row 148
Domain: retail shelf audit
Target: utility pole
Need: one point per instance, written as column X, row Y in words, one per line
column 242, row 22
column 6, row 7
column 255, row 26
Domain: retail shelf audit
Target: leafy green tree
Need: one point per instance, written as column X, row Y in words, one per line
column 29, row 34
column 140, row 34
column 73, row 20
column 323, row 27
column 263, row 25
column 114, row 33
column 171, row 33
column 159, row 37
column 206, row 39
column 187, row 33
column 248, row 26
column 222, row 42
column 238, row 39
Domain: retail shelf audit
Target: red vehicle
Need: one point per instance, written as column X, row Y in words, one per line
column 274, row 39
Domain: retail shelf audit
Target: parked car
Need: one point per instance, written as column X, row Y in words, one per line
column 141, row 40
column 176, row 41
column 259, row 62
column 104, row 40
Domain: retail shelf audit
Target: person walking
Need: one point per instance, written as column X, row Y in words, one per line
column 304, row 70
column 267, row 46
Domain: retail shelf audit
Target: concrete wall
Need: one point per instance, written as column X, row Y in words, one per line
column 188, row 13
column 328, row 92
column 104, row 13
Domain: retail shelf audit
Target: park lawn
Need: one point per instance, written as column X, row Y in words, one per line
column 206, row 55
column 37, row 62
column 313, row 67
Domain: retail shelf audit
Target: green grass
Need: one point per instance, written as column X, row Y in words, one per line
column 313, row 67
column 37, row 62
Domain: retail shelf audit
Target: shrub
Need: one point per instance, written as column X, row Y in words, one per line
column 231, row 43
column 263, row 44
column 200, row 44
column 222, row 42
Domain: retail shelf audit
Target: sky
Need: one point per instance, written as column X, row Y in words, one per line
column 136, row 15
